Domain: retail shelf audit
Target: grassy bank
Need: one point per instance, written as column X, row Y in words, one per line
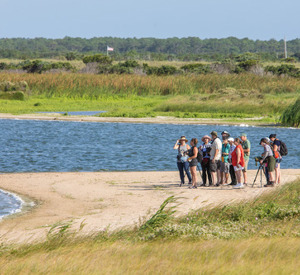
column 219, row 96
column 260, row 236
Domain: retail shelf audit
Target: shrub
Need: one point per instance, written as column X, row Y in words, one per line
column 163, row 70
column 196, row 68
column 284, row 69
column 98, row 58
column 291, row 115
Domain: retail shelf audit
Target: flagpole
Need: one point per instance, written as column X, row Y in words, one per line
column 106, row 50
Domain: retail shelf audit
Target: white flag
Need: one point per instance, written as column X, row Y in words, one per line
column 109, row 49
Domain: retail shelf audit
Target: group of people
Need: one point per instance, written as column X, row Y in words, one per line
column 222, row 156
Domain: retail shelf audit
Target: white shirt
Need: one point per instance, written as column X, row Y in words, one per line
column 217, row 145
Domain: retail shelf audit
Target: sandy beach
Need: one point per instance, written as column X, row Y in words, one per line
column 158, row 119
column 106, row 200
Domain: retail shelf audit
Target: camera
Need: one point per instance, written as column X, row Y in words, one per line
column 258, row 159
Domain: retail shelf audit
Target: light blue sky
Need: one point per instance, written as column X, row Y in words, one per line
column 255, row 19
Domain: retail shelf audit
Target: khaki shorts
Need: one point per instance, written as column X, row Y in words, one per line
column 246, row 165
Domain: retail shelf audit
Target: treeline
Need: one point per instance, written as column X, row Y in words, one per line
column 185, row 49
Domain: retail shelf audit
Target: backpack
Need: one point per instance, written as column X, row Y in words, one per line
column 199, row 156
column 283, row 149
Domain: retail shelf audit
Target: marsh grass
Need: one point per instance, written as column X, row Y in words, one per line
column 254, row 237
column 194, row 96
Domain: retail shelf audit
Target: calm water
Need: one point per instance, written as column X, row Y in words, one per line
column 41, row 146
column 44, row 146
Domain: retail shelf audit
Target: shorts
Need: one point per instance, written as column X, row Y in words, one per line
column 278, row 160
column 193, row 162
column 238, row 168
column 214, row 166
column 225, row 167
column 246, row 165
column 271, row 163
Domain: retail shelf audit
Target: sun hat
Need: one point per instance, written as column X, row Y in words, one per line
column 264, row 140
column 243, row 135
column 231, row 139
column 204, row 137
column 225, row 133
column 183, row 138
column 214, row 133
column 267, row 139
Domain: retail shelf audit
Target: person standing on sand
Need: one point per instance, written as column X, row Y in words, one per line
column 215, row 158
column 238, row 162
column 182, row 156
column 268, row 156
column 225, row 165
column 205, row 163
column 193, row 153
column 246, row 147
column 231, row 169
column 276, row 151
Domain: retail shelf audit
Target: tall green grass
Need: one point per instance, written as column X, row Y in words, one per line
column 219, row 96
column 291, row 115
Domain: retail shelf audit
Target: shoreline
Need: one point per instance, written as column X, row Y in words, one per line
column 151, row 120
column 107, row 200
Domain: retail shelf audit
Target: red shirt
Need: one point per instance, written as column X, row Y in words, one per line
column 234, row 156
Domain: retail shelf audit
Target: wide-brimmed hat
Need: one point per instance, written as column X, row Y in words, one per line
column 204, row 137
column 231, row 139
column 183, row 138
column 243, row 135
column 214, row 133
column 225, row 133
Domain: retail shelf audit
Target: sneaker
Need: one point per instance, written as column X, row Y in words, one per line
column 194, row 187
column 238, row 186
column 269, row 185
column 232, row 183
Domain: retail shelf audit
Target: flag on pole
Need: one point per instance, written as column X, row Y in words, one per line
column 109, row 49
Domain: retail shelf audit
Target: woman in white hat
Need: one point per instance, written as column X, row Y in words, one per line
column 182, row 156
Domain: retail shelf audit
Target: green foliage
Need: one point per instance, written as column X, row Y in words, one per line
column 18, row 95
column 245, row 66
column 161, row 217
column 163, row 70
column 284, row 69
column 196, row 68
column 291, row 115
column 185, row 49
column 97, row 58
column 246, row 57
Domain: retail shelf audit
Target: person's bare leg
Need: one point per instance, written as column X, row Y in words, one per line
column 277, row 174
column 219, row 176
column 213, row 178
column 226, row 178
column 194, row 175
column 245, row 176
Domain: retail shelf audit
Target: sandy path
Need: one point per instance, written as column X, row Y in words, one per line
column 106, row 199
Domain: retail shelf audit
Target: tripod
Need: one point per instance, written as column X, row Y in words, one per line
column 260, row 169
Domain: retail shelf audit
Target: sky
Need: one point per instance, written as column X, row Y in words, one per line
column 254, row 19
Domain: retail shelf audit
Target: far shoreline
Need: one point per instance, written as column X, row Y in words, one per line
column 147, row 120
